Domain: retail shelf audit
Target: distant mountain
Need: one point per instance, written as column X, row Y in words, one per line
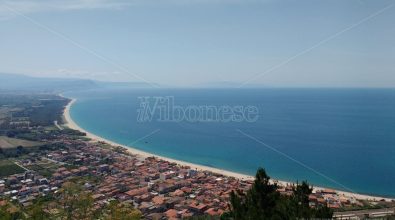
column 18, row 82
column 126, row 84
column 28, row 83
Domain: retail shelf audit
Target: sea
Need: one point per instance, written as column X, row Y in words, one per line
column 337, row 138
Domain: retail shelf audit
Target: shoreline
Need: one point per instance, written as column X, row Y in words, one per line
column 142, row 154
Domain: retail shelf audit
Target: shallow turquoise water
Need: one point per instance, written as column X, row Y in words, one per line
column 340, row 138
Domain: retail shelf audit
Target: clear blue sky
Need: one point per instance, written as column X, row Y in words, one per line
column 193, row 42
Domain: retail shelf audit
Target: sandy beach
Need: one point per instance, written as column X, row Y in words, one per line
column 71, row 124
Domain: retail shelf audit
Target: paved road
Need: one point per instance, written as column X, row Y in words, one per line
column 16, row 163
column 57, row 125
column 364, row 213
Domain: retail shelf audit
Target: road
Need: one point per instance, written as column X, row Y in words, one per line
column 57, row 125
column 360, row 214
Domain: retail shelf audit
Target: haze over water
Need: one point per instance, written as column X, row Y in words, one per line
column 348, row 135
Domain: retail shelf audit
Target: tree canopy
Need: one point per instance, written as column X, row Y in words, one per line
column 263, row 201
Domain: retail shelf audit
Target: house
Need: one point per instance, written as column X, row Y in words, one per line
column 171, row 213
column 103, row 168
column 167, row 175
column 136, row 192
column 197, row 208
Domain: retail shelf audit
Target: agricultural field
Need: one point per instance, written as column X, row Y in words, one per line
column 8, row 167
column 9, row 143
column 44, row 167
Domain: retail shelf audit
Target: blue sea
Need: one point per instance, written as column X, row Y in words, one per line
column 338, row 138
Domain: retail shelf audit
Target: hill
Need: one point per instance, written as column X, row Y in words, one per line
column 24, row 83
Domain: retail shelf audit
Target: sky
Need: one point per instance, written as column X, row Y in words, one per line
column 306, row 43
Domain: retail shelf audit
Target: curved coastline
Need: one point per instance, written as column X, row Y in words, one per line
column 71, row 124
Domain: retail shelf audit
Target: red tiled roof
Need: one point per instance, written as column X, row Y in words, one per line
column 158, row 200
column 138, row 191
column 213, row 211
column 171, row 213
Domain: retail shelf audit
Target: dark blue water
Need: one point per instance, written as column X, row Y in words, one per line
column 340, row 138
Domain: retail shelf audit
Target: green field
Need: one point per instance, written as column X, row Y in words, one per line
column 44, row 168
column 8, row 167
column 8, row 143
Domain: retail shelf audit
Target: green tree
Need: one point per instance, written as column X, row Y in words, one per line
column 37, row 211
column 263, row 201
column 121, row 211
column 259, row 202
column 76, row 203
column 10, row 212
column 300, row 200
